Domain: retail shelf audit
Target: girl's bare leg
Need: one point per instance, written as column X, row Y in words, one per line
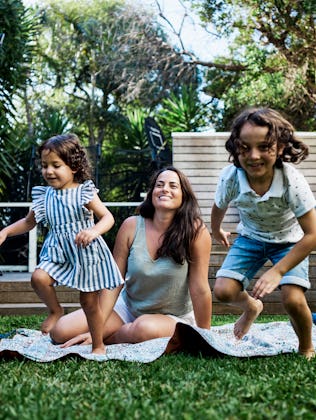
column 294, row 301
column 42, row 284
column 230, row 291
column 91, row 305
column 75, row 323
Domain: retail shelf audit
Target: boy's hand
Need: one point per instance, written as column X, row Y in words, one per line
column 266, row 283
column 222, row 237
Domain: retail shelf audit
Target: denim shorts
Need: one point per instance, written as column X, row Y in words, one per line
column 246, row 256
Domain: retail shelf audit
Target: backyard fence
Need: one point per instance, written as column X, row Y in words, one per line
column 201, row 156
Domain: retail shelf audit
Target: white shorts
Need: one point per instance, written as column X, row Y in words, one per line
column 126, row 316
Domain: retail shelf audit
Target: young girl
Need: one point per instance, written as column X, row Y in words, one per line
column 74, row 254
column 277, row 221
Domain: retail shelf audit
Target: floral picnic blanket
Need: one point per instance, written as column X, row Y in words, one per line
column 263, row 339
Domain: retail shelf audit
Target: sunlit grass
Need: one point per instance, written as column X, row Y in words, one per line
column 173, row 387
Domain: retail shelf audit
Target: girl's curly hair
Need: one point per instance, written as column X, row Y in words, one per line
column 69, row 149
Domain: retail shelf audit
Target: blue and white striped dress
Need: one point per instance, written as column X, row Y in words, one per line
column 63, row 211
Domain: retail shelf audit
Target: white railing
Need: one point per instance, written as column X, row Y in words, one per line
column 32, row 248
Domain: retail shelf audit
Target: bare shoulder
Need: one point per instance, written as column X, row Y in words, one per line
column 129, row 223
column 127, row 229
column 203, row 238
column 201, row 248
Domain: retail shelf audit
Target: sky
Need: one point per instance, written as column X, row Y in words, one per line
column 194, row 37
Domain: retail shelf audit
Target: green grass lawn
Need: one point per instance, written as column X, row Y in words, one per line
column 172, row 387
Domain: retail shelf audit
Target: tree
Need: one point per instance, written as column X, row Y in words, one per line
column 271, row 62
column 99, row 56
column 183, row 111
column 103, row 68
column 17, row 45
column 125, row 165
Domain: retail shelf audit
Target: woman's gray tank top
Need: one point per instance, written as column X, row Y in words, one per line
column 154, row 286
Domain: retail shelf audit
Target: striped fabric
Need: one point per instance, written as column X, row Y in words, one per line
column 63, row 212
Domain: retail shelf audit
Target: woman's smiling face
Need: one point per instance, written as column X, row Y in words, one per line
column 167, row 192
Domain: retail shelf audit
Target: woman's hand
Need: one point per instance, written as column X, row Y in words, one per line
column 82, row 339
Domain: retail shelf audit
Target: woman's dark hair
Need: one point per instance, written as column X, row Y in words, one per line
column 69, row 149
column 186, row 224
column 280, row 132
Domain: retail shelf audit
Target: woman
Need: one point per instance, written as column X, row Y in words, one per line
column 163, row 254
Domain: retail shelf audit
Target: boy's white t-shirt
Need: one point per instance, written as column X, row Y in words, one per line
column 273, row 216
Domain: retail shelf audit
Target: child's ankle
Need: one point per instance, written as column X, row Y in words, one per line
column 307, row 353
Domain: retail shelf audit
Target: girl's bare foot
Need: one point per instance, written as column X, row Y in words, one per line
column 308, row 354
column 99, row 350
column 50, row 321
column 244, row 323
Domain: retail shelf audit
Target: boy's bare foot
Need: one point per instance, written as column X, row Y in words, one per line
column 308, row 354
column 50, row 321
column 244, row 323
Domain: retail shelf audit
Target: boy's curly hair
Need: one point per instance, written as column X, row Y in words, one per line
column 280, row 132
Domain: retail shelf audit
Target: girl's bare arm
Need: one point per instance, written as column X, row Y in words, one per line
column 18, row 228
column 104, row 224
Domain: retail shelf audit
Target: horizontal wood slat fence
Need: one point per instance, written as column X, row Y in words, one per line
column 17, row 296
column 201, row 156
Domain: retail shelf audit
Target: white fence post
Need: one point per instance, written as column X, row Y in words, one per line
column 32, row 260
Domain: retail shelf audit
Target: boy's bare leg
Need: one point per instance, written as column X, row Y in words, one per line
column 252, row 309
column 294, row 301
column 230, row 291
column 42, row 284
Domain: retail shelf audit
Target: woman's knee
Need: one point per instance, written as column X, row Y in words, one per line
column 144, row 328
column 59, row 333
column 68, row 326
